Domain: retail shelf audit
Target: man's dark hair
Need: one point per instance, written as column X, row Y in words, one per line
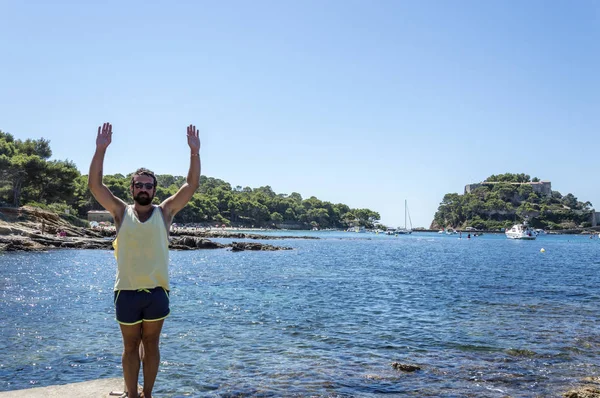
column 142, row 171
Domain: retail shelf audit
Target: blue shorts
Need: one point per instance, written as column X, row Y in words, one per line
column 143, row 305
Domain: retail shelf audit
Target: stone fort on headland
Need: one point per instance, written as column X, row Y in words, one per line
column 540, row 187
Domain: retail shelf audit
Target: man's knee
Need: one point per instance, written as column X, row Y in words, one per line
column 131, row 345
column 151, row 341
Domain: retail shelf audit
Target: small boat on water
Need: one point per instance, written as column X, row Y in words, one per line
column 357, row 229
column 521, row 231
column 404, row 231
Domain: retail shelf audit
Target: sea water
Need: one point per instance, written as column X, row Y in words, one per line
column 481, row 317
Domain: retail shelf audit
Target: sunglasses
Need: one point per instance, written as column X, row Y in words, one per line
column 147, row 185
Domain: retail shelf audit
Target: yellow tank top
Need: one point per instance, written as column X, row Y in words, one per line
column 142, row 252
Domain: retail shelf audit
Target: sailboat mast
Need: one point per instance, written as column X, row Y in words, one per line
column 404, row 213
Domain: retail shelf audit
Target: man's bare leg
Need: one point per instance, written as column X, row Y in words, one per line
column 151, row 357
column 132, row 336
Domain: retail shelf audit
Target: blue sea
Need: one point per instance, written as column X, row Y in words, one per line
column 481, row 317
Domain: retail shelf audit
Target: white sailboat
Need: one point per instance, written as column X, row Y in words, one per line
column 405, row 231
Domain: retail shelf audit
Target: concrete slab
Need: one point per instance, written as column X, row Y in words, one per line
column 100, row 388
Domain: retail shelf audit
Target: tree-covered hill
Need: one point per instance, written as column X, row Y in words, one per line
column 501, row 200
column 28, row 177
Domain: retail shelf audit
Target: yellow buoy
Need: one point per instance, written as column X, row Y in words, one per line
column 542, row 250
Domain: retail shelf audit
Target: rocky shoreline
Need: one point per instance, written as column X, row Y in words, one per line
column 11, row 243
column 31, row 229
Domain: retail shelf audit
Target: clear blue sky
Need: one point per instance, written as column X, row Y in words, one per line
column 366, row 103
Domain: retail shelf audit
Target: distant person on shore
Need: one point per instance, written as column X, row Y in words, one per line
column 141, row 292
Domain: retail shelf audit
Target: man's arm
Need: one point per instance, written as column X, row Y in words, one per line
column 173, row 204
column 110, row 202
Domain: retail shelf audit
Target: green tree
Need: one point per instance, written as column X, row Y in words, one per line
column 509, row 177
column 56, row 182
column 506, row 191
column 320, row 216
column 19, row 171
column 276, row 217
column 290, row 215
column 525, row 191
column 570, row 201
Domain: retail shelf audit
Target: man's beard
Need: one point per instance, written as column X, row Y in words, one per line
column 143, row 199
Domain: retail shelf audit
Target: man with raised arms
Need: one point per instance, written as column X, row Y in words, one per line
column 141, row 292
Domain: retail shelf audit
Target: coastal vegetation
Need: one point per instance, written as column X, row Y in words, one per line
column 28, row 177
column 501, row 200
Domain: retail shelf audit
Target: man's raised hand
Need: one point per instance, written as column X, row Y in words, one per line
column 193, row 139
column 104, row 136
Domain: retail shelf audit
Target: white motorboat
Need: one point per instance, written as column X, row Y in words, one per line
column 521, row 231
column 357, row 229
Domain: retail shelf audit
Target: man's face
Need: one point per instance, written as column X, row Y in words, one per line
column 143, row 190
